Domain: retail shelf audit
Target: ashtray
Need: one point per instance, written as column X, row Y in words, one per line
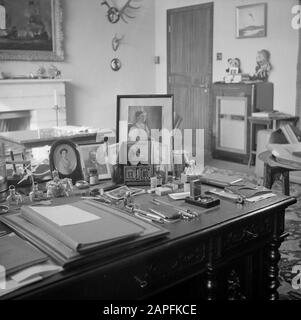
column 203, row 201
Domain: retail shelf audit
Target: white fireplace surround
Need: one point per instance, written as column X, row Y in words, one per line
column 37, row 97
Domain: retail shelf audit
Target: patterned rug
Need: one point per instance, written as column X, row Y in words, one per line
column 291, row 248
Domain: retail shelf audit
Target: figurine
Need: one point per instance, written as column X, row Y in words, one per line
column 54, row 72
column 36, row 194
column 41, row 72
column 59, row 187
column 190, row 169
column 263, row 67
column 233, row 66
column 14, row 198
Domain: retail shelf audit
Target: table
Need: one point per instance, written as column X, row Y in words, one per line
column 271, row 122
column 230, row 252
column 272, row 168
column 41, row 137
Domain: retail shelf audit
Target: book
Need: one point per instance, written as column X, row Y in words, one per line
column 219, row 180
column 289, row 134
column 263, row 114
column 273, row 115
column 81, row 226
column 17, row 254
column 247, row 190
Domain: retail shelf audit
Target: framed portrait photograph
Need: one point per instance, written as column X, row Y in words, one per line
column 251, row 21
column 31, row 30
column 95, row 156
column 64, row 157
column 141, row 121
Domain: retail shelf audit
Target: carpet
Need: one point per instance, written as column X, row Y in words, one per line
column 291, row 248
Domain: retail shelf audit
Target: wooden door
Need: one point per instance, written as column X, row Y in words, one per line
column 190, row 43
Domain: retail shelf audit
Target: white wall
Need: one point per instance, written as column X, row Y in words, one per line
column 91, row 97
column 281, row 41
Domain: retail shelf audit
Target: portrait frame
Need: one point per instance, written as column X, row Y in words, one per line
column 84, row 152
column 54, row 53
column 73, row 162
column 159, row 110
column 251, row 21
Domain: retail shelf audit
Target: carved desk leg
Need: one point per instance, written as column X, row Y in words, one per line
column 211, row 284
column 268, row 179
column 234, row 287
column 273, row 269
column 286, row 183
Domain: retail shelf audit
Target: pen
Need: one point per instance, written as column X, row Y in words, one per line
column 99, row 198
column 184, row 212
column 238, row 180
column 157, row 213
column 151, row 216
column 148, row 218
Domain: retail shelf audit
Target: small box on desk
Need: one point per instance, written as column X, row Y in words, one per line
column 203, row 201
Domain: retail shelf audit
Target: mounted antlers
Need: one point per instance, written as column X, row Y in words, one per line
column 114, row 14
column 116, row 42
column 123, row 12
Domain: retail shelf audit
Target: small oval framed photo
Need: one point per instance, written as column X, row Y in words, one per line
column 64, row 157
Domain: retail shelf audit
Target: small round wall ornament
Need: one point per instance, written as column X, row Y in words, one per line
column 115, row 64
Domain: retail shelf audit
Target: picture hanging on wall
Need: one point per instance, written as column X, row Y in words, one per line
column 31, row 30
column 251, row 21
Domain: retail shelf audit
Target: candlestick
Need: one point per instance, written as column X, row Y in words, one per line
column 55, row 98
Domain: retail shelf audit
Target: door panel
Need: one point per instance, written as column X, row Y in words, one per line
column 190, row 41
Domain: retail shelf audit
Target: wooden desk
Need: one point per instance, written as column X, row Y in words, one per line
column 230, row 252
column 41, row 137
column 271, row 122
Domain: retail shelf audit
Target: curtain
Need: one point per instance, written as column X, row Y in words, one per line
column 298, row 102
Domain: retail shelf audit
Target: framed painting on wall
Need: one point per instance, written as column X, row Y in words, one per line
column 31, row 30
column 251, row 21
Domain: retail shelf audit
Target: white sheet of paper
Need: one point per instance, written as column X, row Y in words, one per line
column 35, row 271
column 65, row 215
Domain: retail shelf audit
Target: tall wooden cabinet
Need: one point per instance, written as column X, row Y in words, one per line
column 232, row 105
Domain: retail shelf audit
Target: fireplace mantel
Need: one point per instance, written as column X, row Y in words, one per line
column 31, row 81
column 39, row 97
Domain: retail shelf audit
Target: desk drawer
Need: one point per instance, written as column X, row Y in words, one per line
column 151, row 275
column 247, row 232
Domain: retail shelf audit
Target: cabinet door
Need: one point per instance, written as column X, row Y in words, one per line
column 232, row 124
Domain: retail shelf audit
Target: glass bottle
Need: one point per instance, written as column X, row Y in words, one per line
column 159, row 177
column 93, row 176
column 14, row 199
